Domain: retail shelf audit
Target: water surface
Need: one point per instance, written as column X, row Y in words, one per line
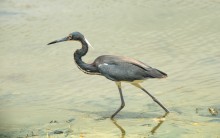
column 41, row 90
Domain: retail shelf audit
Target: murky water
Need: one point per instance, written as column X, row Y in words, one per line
column 42, row 92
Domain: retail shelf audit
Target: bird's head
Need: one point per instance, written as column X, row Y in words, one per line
column 72, row 36
column 75, row 36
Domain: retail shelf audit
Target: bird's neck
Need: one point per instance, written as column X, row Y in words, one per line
column 78, row 54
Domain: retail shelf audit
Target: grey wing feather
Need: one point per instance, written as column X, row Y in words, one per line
column 155, row 73
column 152, row 72
column 122, row 72
column 126, row 69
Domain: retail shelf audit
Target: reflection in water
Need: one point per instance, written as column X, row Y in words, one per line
column 119, row 127
column 154, row 129
column 161, row 120
column 39, row 83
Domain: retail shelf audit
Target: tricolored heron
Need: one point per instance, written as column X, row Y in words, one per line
column 115, row 68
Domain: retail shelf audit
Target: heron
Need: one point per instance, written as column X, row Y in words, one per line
column 115, row 68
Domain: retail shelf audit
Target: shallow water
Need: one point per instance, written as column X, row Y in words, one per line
column 41, row 90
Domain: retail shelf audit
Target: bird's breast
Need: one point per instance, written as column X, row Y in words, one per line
column 87, row 71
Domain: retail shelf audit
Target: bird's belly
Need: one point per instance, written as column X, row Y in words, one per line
column 134, row 81
column 137, row 81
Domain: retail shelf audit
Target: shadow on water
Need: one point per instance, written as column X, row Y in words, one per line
column 124, row 115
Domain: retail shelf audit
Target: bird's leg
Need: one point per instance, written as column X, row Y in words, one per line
column 122, row 99
column 139, row 86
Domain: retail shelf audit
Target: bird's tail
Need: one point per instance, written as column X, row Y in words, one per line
column 155, row 73
column 163, row 75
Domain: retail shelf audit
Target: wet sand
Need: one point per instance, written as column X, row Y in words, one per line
column 44, row 94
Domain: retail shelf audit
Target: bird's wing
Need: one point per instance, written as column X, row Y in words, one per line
column 124, row 68
column 152, row 72
column 117, row 59
column 121, row 71
column 135, row 62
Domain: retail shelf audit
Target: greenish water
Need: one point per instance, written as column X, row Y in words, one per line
column 40, row 83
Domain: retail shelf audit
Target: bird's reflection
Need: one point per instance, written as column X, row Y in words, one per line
column 161, row 120
column 153, row 130
column 119, row 127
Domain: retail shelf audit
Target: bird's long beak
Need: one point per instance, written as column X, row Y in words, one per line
column 60, row 40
